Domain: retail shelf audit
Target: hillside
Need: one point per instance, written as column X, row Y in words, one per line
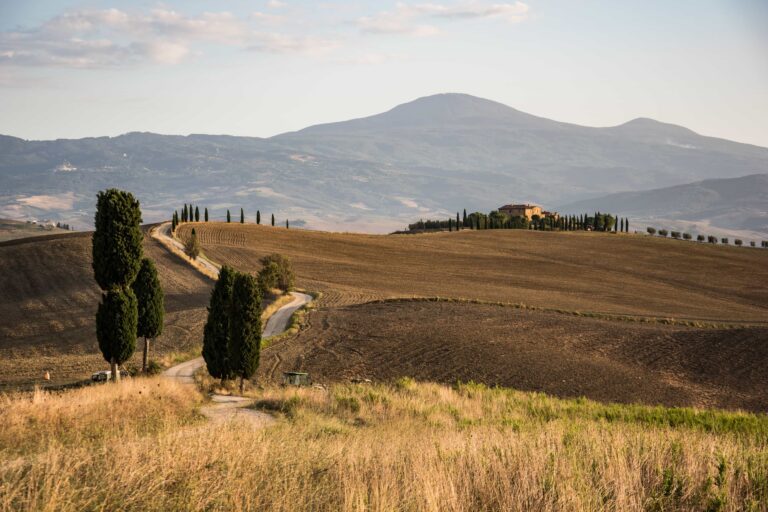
column 448, row 151
column 709, row 206
column 13, row 229
column 48, row 301
column 570, row 339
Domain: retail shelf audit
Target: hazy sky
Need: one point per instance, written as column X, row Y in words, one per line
column 90, row 68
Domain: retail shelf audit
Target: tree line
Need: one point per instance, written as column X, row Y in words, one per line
column 132, row 300
column 191, row 213
column 702, row 238
column 500, row 220
column 232, row 333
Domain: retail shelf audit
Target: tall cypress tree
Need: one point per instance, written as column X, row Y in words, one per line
column 149, row 295
column 457, row 221
column 286, row 224
column 273, row 219
column 216, row 331
column 626, row 225
column 229, row 218
column 206, row 215
column 242, row 216
column 245, row 327
column 464, row 219
column 258, row 217
column 117, row 253
column 197, row 214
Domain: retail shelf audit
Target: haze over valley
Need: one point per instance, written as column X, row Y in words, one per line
column 423, row 159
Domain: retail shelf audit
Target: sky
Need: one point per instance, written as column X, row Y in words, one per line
column 71, row 69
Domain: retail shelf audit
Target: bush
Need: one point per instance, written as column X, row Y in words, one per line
column 285, row 277
column 724, row 241
column 675, row 234
column 663, row 232
column 700, row 238
column 687, row 236
column 651, row 231
column 738, row 242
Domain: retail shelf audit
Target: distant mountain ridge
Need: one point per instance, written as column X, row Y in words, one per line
column 426, row 158
column 723, row 204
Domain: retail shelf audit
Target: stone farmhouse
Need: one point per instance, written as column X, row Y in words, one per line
column 527, row 211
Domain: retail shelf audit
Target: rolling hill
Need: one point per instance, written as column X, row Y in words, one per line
column 425, row 158
column 722, row 206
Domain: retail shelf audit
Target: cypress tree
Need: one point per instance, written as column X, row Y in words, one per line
column 197, row 214
column 464, row 219
column 286, row 224
column 151, row 308
column 449, row 225
column 273, row 220
column 626, row 225
column 229, row 218
column 216, row 331
column 457, row 221
column 116, row 320
column 192, row 246
column 245, row 327
column 184, row 216
column 117, row 249
column 258, row 217
column 173, row 222
column 206, row 215
column 242, row 216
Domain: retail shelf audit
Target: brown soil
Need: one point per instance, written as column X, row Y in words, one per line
column 530, row 350
column 48, row 300
column 588, row 272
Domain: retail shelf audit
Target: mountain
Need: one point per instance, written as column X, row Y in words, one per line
column 716, row 206
column 426, row 158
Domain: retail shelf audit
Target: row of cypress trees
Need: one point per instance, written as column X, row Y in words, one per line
column 132, row 301
column 232, row 334
column 189, row 215
column 498, row 220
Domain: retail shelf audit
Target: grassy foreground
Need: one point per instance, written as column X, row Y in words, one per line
column 406, row 446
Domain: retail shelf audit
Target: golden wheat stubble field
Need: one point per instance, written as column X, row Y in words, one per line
column 562, row 354
column 588, row 272
column 48, row 301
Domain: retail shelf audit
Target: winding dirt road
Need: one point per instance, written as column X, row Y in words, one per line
column 227, row 407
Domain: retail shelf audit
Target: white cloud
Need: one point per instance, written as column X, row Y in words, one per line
column 276, row 4
column 111, row 37
column 419, row 19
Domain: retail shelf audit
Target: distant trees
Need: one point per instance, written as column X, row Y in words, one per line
column 663, row 232
column 206, row 215
column 273, row 220
column 151, row 308
column 174, row 222
column 117, row 254
column 651, row 231
column 232, row 333
column 687, row 236
column 192, row 246
column 197, row 214
column 738, row 242
column 258, row 217
column 229, row 217
column 712, row 239
column 724, row 241
column 242, row 216
column 286, row 224
column 675, row 234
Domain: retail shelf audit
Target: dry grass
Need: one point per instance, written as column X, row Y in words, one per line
column 591, row 273
column 403, row 447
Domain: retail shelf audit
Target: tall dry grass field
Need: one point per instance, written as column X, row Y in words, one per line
column 407, row 446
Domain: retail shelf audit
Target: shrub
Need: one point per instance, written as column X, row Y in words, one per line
column 285, row 276
column 651, row 231
column 663, row 232
column 687, row 236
